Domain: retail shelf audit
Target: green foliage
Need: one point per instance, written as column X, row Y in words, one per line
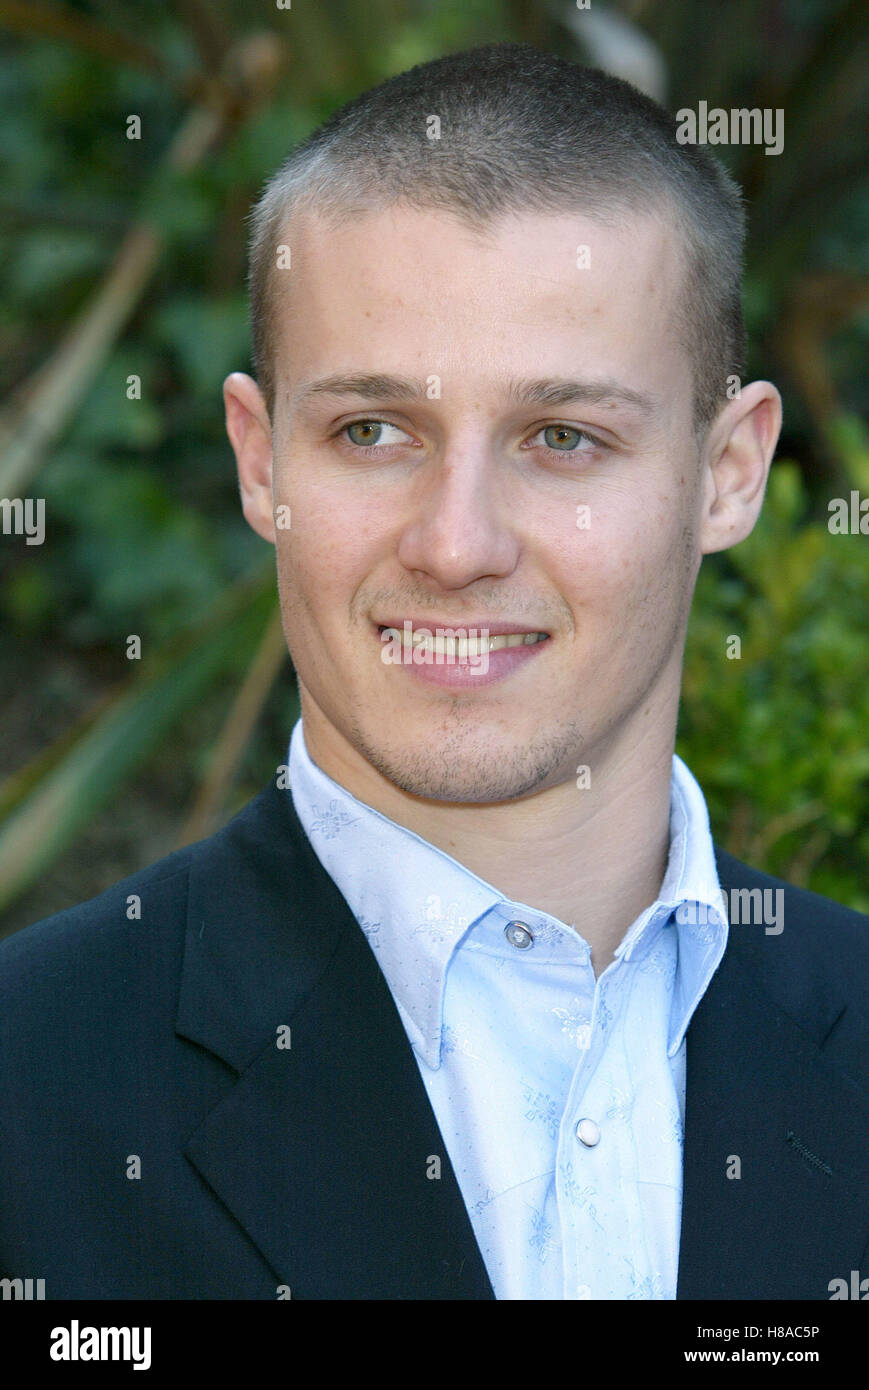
column 777, row 737
column 209, row 338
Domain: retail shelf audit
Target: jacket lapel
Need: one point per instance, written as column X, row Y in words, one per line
column 323, row 1148
column 775, row 1095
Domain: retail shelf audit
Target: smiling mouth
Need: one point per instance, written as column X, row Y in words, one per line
column 459, row 642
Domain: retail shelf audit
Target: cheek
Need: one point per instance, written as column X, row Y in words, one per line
column 633, row 563
column 323, row 559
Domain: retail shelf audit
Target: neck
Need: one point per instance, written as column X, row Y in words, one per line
column 593, row 858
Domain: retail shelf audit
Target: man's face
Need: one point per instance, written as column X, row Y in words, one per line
column 493, row 497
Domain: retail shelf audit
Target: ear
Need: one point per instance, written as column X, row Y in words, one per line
column 249, row 430
column 737, row 456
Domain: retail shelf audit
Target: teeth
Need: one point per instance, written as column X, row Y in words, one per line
column 515, row 639
column 461, row 647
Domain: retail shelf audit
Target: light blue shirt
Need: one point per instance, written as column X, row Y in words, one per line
column 560, row 1097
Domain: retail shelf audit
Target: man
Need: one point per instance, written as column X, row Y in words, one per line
column 460, row 1013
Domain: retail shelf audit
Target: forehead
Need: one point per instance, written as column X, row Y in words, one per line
column 415, row 292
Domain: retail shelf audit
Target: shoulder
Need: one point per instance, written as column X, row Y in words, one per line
column 85, row 957
column 135, row 925
column 131, row 938
column 801, row 940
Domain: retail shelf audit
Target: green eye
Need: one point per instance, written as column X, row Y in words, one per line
column 364, row 432
column 562, row 437
column 373, row 434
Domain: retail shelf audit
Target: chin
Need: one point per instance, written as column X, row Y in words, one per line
column 466, row 765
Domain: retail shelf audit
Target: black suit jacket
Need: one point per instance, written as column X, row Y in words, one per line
column 157, row 1143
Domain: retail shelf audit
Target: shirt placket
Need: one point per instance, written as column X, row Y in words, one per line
column 588, row 1145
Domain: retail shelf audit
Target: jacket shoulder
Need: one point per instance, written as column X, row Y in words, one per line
column 158, row 892
column 101, row 924
column 800, row 939
column 805, row 905
column 116, row 934
column 95, row 970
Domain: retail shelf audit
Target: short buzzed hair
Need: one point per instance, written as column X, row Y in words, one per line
column 521, row 131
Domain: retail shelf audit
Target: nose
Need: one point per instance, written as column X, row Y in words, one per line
column 462, row 524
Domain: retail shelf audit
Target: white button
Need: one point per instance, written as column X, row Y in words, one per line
column 518, row 935
column 588, row 1133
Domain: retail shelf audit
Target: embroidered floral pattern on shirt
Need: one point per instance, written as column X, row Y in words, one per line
column 704, row 932
column 548, row 934
column 441, row 923
column 543, row 1108
column 651, row 1287
column 579, row 1196
column 541, row 1238
column 574, row 1022
column 656, row 963
column 451, row 1042
column 331, row 822
column 623, row 1104
column 671, row 1125
column 604, row 1013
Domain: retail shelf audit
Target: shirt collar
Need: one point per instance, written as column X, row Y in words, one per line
column 691, row 897
column 416, row 903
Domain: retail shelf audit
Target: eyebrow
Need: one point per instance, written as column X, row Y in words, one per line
column 375, row 386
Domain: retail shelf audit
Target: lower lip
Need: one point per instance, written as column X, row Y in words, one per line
column 467, row 675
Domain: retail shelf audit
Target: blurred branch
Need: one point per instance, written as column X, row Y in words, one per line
column 614, row 43
column 236, row 733
column 31, row 17
column 40, row 408
column 210, row 32
column 800, row 868
column 35, row 18
column 739, row 837
column 43, row 405
column 783, row 824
